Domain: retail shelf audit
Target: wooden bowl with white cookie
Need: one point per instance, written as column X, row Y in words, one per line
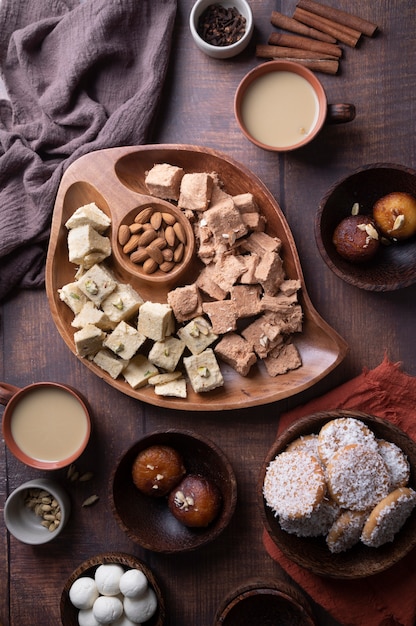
column 337, row 494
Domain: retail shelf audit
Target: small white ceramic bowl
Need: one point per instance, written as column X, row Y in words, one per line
column 23, row 523
column 221, row 52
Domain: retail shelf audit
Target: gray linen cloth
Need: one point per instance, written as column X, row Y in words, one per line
column 80, row 77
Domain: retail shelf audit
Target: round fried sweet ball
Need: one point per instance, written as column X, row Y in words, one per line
column 395, row 215
column 196, row 501
column 157, row 470
column 356, row 238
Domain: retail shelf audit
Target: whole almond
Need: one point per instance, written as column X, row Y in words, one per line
column 169, row 219
column 156, row 220
column 132, row 244
column 150, row 266
column 179, row 231
column 159, row 242
column 144, row 216
column 135, row 228
column 167, row 266
column 123, row 234
column 178, row 253
column 147, row 237
column 155, row 254
column 170, row 236
column 139, row 256
column 167, row 254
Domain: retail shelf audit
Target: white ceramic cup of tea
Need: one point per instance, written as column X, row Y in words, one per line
column 282, row 105
column 45, row 425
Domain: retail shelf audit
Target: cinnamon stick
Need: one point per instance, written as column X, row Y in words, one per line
column 281, row 52
column 342, row 17
column 289, row 23
column 341, row 33
column 326, row 66
column 304, row 43
column 319, row 65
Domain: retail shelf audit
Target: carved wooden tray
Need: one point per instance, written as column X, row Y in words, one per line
column 114, row 180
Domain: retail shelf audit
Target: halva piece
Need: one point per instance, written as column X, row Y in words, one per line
column 203, row 371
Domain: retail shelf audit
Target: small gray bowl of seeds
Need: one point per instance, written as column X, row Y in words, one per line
column 37, row 511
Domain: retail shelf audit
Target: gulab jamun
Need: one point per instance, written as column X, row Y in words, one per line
column 356, row 238
column 395, row 215
column 157, row 470
column 196, row 501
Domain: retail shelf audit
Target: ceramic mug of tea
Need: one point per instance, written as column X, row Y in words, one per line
column 281, row 106
column 45, row 425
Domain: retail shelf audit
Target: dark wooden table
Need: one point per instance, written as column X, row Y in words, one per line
column 379, row 77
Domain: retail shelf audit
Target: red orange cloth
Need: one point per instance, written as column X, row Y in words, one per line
column 388, row 598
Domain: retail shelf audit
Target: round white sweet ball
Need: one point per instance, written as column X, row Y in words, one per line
column 107, row 578
column 141, row 609
column 83, row 592
column 86, row 618
column 124, row 621
column 107, row 609
column 133, row 583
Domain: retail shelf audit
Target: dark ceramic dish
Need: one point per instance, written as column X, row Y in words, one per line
column 147, row 520
column 264, row 602
column 394, row 266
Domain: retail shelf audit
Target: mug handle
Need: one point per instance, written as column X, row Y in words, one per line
column 340, row 113
column 7, row 392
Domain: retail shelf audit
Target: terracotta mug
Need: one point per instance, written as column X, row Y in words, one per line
column 45, row 425
column 282, row 105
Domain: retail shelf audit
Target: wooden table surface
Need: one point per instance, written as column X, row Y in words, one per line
column 379, row 77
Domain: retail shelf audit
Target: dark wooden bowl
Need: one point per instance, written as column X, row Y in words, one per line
column 265, row 601
column 69, row 614
column 312, row 552
column 394, row 266
column 147, row 520
column 115, row 180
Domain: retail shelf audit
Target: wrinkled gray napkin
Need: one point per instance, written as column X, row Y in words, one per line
column 80, row 77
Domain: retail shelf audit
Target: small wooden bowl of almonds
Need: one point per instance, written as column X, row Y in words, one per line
column 155, row 241
column 37, row 511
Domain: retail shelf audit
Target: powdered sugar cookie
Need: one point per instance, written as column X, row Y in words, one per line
column 388, row 517
column 342, row 432
column 396, row 463
column 314, row 525
column 357, row 477
column 346, row 530
column 294, row 484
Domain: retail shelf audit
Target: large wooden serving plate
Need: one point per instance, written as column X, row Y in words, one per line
column 114, row 180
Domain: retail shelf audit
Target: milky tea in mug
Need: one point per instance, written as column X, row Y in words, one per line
column 280, row 109
column 46, row 425
column 281, row 105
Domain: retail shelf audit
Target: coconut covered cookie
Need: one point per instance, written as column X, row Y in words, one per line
column 341, row 483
